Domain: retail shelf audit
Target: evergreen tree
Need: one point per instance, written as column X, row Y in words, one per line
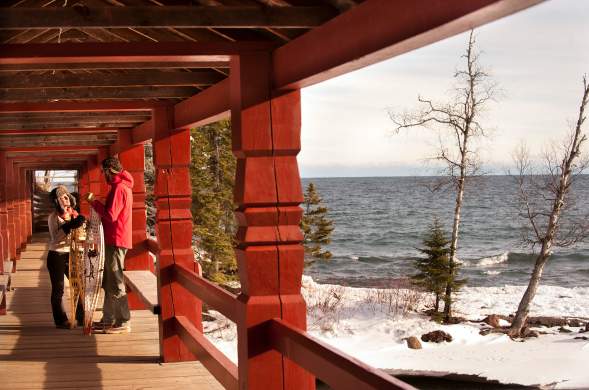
column 212, row 174
column 316, row 227
column 433, row 270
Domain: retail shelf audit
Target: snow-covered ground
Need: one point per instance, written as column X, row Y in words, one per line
column 371, row 325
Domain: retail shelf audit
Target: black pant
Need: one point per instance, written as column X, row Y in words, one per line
column 58, row 266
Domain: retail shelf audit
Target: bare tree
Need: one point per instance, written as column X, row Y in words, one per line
column 545, row 199
column 458, row 122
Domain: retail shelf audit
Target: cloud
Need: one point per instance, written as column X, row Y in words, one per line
column 538, row 56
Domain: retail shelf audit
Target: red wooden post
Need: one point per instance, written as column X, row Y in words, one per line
column 266, row 140
column 4, row 233
column 84, row 187
column 133, row 159
column 22, row 208
column 103, row 153
column 174, row 231
column 13, row 224
column 29, row 203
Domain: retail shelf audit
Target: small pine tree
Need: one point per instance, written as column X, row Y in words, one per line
column 433, row 270
column 212, row 174
column 316, row 227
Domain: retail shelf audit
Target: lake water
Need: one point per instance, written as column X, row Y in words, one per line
column 380, row 221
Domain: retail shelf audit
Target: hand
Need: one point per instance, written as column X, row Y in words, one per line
column 89, row 197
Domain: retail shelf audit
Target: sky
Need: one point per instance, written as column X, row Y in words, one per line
column 537, row 56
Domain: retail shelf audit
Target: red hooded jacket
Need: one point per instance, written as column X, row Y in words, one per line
column 117, row 212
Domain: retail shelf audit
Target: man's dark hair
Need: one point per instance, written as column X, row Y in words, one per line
column 112, row 164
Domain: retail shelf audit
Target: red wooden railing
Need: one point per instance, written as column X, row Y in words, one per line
column 337, row 369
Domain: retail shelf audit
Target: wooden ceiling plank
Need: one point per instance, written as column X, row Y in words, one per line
column 88, row 125
column 101, row 52
column 75, row 130
column 162, row 17
column 107, row 66
column 98, row 106
column 68, row 115
column 128, row 79
column 50, row 94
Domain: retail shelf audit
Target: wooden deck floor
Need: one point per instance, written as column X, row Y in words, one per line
column 36, row 355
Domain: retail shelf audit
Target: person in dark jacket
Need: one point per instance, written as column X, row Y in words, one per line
column 60, row 222
column 116, row 216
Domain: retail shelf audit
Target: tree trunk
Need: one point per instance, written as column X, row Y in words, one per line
column 454, row 241
column 437, row 306
column 523, row 309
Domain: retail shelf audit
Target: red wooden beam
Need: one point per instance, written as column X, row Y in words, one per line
column 152, row 246
column 143, row 132
column 76, row 130
column 223, row 369
column 89, row 52
column 221, row 300
column 208, row 106
column 377, row 30
column 337, row 369
column 112, row 105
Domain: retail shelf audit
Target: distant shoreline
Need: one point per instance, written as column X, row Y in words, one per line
column 403, row 176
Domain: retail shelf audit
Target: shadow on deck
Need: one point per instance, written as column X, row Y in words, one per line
column 36, row 355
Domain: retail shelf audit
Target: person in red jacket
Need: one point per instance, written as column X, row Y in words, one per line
column 117, row 224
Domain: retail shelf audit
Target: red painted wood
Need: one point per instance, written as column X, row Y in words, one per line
column 16, row 209
column 143, row 132
column 266, row 140
column 376, row 30
column 223, row 369
column 22, row 208
column 133, row 160
column 10, row 212
column 29, row 195
column 174, row 232
column 111, row 105
column 97, row 52
column 219, row 299
column 208, row 106
column 337, row 369
column 103, row 153
column 4, row 232
column 152, row 246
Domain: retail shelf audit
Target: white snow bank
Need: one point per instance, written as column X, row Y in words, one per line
column 371, row 325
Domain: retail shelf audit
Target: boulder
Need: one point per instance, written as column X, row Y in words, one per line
column 454, row 320
column 582, row 338
column 437, row 336
column 492, row 320
column 548, row 322
column 413, row 342
column 575, row 323
column 587, row 327
column 564, row 330
column 527, row 333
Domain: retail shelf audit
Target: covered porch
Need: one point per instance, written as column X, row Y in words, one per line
column 81, row 81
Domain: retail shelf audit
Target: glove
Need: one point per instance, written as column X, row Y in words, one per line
column 73, row 224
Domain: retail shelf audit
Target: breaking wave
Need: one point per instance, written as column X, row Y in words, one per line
column 493, row 260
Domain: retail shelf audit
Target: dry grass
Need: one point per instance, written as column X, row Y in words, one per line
column 394, row 302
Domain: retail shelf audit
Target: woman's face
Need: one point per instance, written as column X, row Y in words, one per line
column 64, row 201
